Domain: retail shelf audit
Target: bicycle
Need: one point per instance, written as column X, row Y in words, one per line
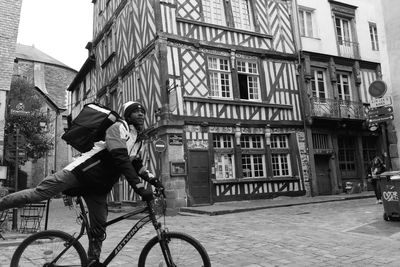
column 57, row 248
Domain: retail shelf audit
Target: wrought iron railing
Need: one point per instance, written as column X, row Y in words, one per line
column 334, row 108
column 348, row 49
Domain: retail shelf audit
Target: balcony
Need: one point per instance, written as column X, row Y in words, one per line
column 348, row 49
column 336, row 109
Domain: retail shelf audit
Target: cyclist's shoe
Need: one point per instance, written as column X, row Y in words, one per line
column 146, row 195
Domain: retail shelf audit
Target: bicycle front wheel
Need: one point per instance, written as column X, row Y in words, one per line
column 40, row 249
column 184, row 251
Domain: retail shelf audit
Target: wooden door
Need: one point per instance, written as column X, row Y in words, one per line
column 199, row 178
column 323, row 175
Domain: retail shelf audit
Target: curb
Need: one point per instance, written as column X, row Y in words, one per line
column 270, row 206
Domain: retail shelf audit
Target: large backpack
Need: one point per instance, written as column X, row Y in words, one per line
column 89, row 126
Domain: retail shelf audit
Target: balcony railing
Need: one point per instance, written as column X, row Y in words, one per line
column 333, row 108
column 348, row 49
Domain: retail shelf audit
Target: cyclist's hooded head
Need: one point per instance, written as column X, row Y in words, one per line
column 134, row 113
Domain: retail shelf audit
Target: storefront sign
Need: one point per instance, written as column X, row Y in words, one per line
column 381, row 102
column 175, row 139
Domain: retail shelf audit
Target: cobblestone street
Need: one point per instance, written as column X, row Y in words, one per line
column 343, row 233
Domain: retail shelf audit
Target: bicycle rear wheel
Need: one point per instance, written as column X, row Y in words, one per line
column 184, row 249
column 41, row 248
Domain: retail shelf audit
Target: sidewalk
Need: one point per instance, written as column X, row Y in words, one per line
column 282, row 201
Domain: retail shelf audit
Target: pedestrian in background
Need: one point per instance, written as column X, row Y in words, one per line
column 377, row 167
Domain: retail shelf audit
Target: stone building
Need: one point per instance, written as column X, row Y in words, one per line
column 51, row 79
column 342, row 51
column 9, row 22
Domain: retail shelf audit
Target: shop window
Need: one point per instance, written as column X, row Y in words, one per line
column 347, row 155
column 219, row 77
column 369, row 150
column 280, row 156
column 224, row 160
column 249, row 85
column 253, row 156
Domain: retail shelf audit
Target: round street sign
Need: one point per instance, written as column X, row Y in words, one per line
column 377, row 88
column 160, row 145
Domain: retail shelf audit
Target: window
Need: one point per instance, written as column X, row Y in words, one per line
column 373, row 32
column 220, row 77
column 253, row 158
column 318, row 84
column 249, row 85
column 281, row 165
column 347, row 155
column 306, row 22
column 214, row 12
column 77, row 95
column 224, row 159
column 343, row 85
column 239, row 12
column 343, row 31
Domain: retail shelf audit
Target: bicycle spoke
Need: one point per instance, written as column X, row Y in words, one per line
column 43, row 250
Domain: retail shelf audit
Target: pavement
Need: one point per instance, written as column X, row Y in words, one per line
column 13, row 238
column 339, row 230
column 282, row 201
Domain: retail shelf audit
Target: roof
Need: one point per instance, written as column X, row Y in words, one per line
column 49, row 76
column 32, row 53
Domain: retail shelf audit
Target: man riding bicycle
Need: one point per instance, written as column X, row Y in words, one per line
column 94, row 173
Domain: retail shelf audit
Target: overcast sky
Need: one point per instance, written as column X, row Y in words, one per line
column 59, row 28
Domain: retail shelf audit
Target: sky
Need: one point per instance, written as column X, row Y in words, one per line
column 59, row 28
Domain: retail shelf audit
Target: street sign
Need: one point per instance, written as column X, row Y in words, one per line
column 381, row 118
column 160, row 145
column 381, row 102
column 377, row 88
column 379, row 111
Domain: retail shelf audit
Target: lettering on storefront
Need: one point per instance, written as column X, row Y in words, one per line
column 390, row 196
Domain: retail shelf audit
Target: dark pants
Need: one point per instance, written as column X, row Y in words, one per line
column 55, row 184
column 377, row 188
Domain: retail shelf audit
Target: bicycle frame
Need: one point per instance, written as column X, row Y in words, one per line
column 131, row 233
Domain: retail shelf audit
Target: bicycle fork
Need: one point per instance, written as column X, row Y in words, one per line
column 163, row 241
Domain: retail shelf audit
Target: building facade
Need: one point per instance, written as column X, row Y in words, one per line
column 9, row 22
column 342, row 47
column 218, row 79
column 50, row 78
column 392, row 30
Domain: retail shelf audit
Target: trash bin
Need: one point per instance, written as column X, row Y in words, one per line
column 390, row 188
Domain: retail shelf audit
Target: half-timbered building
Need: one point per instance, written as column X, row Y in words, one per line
column 342, row 46
column 218, row 79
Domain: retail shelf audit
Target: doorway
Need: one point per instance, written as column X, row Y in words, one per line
column 198, row 178
column 323, row 174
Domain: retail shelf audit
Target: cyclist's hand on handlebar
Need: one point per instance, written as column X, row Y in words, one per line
column 146, row 195
column 157, row 183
